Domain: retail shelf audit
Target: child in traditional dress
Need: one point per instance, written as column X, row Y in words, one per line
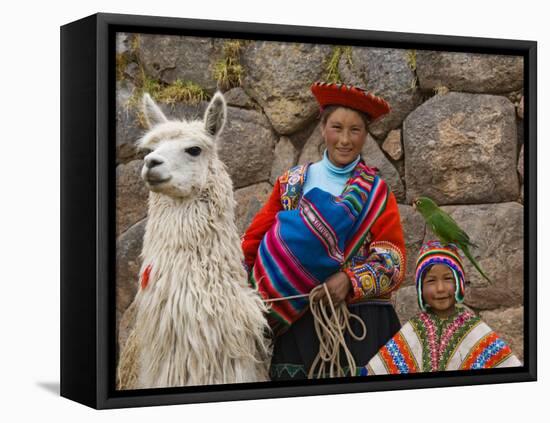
column 444, row 336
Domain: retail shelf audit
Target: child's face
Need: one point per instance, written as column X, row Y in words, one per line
column 438, row 288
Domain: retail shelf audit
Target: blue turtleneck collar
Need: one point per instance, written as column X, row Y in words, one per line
column 337, row 169
column 327, row 176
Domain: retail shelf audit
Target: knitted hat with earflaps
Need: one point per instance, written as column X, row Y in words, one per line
column 435, row 252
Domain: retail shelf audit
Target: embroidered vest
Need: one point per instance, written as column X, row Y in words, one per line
column 291, row 183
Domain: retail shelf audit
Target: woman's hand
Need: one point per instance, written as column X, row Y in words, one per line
column 338, row 286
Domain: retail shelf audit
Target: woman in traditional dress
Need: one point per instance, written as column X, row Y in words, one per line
column 444, row 336
column 334, row 222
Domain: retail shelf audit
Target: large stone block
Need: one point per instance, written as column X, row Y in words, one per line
column 170, row 57
column 461, row 149
column 476, row 73
column 247, row 146
column 279, row 76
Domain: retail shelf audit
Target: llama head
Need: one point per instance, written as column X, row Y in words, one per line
column 179, row 153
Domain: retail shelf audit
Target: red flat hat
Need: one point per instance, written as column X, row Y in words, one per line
column 350, row 96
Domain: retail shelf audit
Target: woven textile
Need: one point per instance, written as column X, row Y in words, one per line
column 427, row 343
column 308, row 244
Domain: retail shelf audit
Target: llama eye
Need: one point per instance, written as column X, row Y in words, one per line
column 194, row 151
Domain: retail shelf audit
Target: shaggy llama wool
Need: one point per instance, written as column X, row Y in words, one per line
column 197, row 321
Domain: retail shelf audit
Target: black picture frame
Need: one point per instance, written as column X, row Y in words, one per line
column 87, row 209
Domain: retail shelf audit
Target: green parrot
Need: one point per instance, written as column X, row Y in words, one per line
column 446, row 228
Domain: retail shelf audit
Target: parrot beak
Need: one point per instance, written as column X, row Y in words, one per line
column 414, row 204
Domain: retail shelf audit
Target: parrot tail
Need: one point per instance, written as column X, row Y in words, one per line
column 467, row 253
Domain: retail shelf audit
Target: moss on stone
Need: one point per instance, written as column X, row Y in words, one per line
column 121, row 62
column 440, row 90
column 411, row 61
column 181, row 91
column 176, row 92
column 228, row 71
column 135, row 44
column 130, row 56
column 332, row 72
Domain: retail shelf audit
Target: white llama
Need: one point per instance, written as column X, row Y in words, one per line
column 197, row 321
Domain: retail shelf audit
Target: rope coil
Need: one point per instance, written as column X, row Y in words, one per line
column 331, row 323
column 330, row 328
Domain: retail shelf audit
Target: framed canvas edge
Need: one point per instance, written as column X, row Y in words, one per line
column 104, row 108
column 421, row 40
column 344, row 387
column 530, row 216
column 78, row 293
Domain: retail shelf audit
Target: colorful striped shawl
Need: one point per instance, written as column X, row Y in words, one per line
column 427, row 344
column 308, row 244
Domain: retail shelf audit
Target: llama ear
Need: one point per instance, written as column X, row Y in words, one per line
column 214, row 117
column 153, row 114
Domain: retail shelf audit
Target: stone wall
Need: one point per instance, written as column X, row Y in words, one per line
column 455, row 133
